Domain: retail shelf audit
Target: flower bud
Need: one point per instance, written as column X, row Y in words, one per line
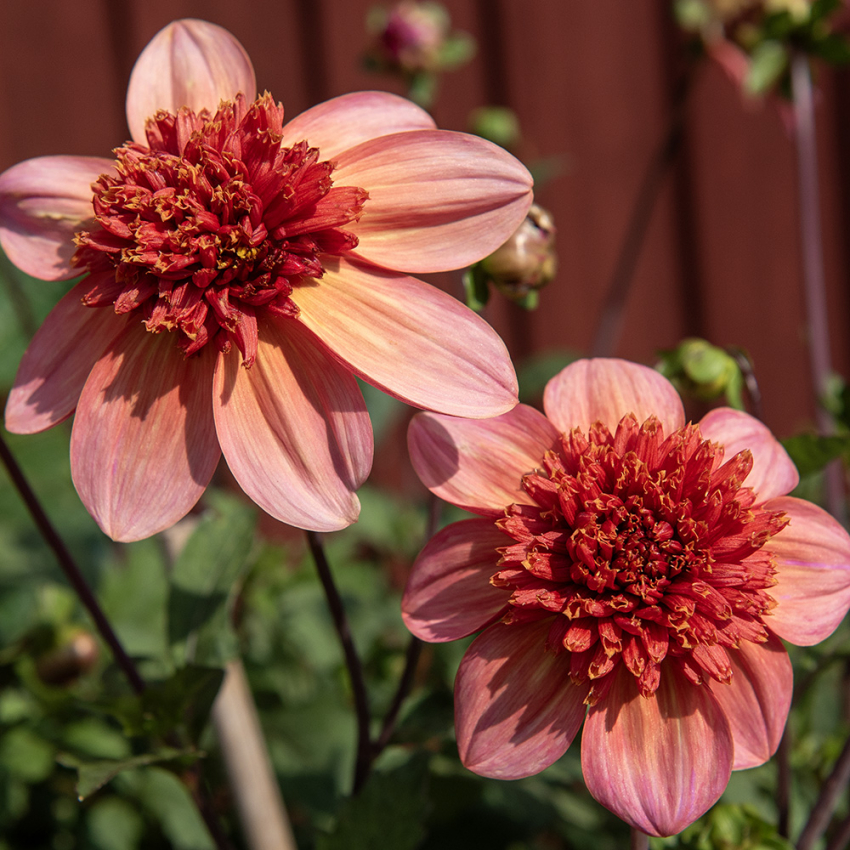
column 527, row 261
column 75, row 654
column 703, row 371
column 415, row 38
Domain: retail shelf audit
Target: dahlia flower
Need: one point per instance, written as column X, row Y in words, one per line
column 630, row 572
column 238, row 273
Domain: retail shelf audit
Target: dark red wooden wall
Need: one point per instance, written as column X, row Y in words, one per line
column 593, row 83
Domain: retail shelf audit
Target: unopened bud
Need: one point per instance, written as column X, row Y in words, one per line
column 415, row 38
column 76, row 654
column 527, row 261
column 703, row 371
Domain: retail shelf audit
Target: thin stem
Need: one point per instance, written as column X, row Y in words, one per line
column 614, row 306
column 70, row 568
column 813, row 265
column 639, row 840
column 842, row 836
column 363, row 762
column 783, row 784
column 830, row 793
column 414, row 649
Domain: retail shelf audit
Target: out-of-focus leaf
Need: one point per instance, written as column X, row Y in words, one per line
column 165, row 797
column 113, row 824
column 768, row 61
column 205, row 572
column 476, row 288
column 181, row 702
column 389, row 812
column 812, row 452
column 133, row 593
column 92, row 775
column 26, row 755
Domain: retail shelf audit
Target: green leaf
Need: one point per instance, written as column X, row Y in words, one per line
column 181, row 702
column 389, row 812
column 811, row 452
column 476, row 287
column 769, row 60
column 205, row 573
column 113, row 824
column 92, row 775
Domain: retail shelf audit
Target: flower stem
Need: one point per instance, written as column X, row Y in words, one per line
column 414, row 648
column 69, row 568
column 827, row 800
column 639, row 840
column 813, row 265
column 363, row 761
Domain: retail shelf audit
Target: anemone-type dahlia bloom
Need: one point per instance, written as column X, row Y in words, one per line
column 630, row 572
column 238, row 273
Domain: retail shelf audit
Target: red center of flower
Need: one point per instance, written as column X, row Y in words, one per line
column 213, row 221
column 640, row 548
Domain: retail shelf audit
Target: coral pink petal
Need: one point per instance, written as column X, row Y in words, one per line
column 516, row 710
column 813, row 573
column 478, row 464
column 294, row 429
column 757, row 700
column 188, row 63
column 449, row 595
column 410, row 339
column 43, row 202
column 605, row 390
column 658, row 763
column 346, row 121
column 773, row 473
column 438, row 200
column 58, row 361
column 143, row 446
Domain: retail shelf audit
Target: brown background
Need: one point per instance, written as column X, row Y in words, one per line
column 593, row 83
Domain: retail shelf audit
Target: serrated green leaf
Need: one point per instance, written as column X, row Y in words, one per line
column 389, row 812
column 92, row 775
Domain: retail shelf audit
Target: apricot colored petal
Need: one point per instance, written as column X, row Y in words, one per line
column 516, row 710
column 757, row 700
column 813, row 573
column 449, row 595
column 143, row 446
column 605, row 390
column 188, row 63
column 346, row 121
column 478, row 464
column 410, row 340
column 58, row 361
column 43, row 202
column 438, row 200
column 773, row 473
column 658, row 763
column 294, row 429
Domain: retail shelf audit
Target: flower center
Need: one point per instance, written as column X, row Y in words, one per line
column 213, row 222
column 640, row 548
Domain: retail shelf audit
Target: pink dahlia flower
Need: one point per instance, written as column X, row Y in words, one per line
column 238, row 273
column 630, row 572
